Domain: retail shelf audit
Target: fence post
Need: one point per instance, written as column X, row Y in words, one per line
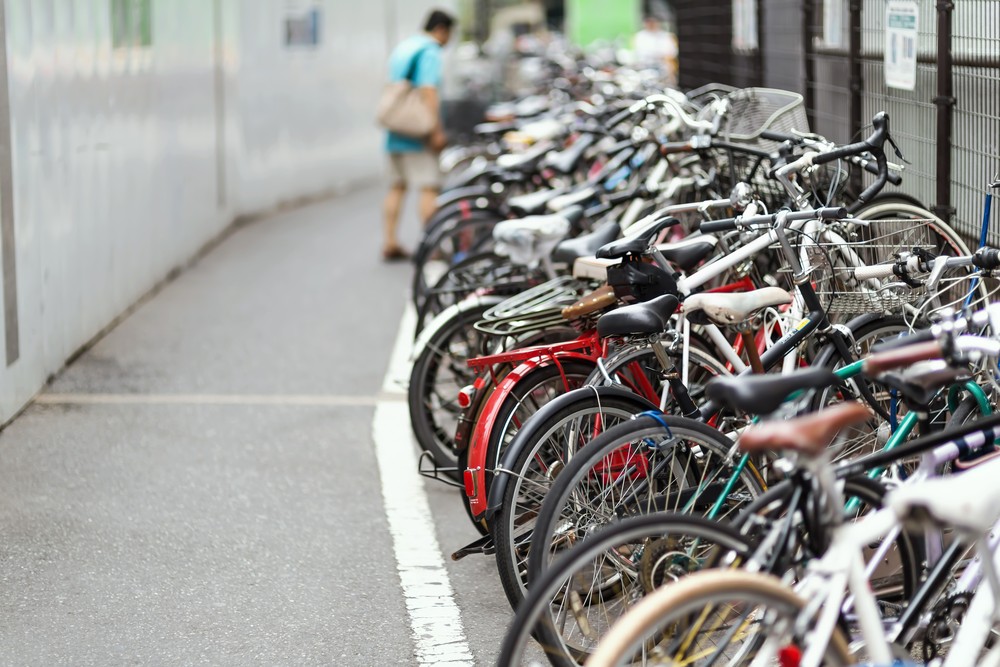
column 945, row 102
column 856, row 80
column 808, row 50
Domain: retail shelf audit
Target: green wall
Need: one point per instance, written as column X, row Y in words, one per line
column 589, row 20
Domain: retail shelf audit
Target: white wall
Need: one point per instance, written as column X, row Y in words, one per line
column 126, row 161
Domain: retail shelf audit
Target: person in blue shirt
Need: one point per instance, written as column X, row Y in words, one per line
column 414, row 162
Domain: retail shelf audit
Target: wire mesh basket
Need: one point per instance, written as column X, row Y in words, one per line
column 842, row 246
column 753, row 110
column 534, row 309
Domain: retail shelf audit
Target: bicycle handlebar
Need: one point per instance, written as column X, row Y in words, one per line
column 730, row 224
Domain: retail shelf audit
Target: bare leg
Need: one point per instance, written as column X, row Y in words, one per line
column 393, row 202
column 428, row 197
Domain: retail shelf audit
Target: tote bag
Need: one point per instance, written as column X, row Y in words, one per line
column 401, row 109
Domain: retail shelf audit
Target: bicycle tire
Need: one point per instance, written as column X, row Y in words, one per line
column 696, row 593
column 429, row 403
column 534, row 616
column 613, row 455
column 507, row 524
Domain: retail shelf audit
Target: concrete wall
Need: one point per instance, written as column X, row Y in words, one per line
column 126, row 159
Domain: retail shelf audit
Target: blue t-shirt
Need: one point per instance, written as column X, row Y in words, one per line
column 426, row 73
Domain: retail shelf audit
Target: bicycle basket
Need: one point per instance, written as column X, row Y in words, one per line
column 847, row 244
column 753, row 110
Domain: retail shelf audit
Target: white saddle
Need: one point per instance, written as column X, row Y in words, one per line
column 527, row 241
column 736, row 307
column 969, row 501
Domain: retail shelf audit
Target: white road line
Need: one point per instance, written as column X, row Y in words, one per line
column 435, row 620
column 322, row 400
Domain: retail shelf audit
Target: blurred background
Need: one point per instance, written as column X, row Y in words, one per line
column 135, row 131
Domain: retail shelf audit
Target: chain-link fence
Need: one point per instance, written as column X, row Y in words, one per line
column 832, row 51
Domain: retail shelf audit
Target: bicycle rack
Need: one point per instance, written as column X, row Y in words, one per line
column 434, row 471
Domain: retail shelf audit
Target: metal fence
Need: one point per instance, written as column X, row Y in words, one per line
column 832, row 51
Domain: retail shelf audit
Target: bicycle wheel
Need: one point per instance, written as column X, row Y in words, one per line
column 531, row 473
column 589, row 587
column 547, row 447
column 871, row 435
column 472, row 274
column 725, row 617
column 661, row 463
column 438, row 373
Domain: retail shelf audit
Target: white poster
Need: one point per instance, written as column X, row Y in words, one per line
column 901, row 44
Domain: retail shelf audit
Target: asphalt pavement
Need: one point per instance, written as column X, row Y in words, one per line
column 201, row 486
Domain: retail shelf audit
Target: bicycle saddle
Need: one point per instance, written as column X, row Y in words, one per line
column 725, row 309
column 565, row 161
column 587, row 244
column 688, row 253
column 636, row 244
column 526, row 161
column 527, row 241
column 533, row 202
column 762, row 394
column 572, row 198
column 969, row 500
column 646, row 318
column 809, row 435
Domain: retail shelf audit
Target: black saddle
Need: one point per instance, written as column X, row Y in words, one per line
column 565, row 161
column 532, row 203
column 763, row 394
column 688, row 254
column 587, row 244
column 638, row 244
column 638, row 319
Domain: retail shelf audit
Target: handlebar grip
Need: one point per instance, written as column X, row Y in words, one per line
column 619, row 117
column 713, row 226
column 921, row 336
column 902, row 356
column 987, row 259
column 893, row 177
column 671, row 147
column 832, row 213
column 779, row 136
column 874, row 271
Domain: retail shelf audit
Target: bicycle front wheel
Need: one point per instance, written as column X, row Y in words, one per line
column 726, row 617
column 577, row 600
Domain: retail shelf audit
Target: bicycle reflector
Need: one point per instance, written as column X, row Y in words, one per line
column 465, row 396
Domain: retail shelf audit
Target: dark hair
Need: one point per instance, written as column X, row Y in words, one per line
column 436, row 19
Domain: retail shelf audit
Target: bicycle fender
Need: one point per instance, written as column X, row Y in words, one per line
column 475, row 473
column 523, row 436
column 449, row 313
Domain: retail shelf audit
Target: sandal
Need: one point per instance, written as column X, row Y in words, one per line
column 394, row 254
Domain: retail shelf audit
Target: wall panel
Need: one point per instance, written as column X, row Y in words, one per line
column 128, row 156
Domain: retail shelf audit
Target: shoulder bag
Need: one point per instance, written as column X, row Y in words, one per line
column 401, row 109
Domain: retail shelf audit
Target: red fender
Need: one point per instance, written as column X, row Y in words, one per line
column 475, row 473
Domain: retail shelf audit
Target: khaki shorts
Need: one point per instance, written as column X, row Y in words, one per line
column 419, row 170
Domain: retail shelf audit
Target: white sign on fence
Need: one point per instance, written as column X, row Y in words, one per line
column 901, row 44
